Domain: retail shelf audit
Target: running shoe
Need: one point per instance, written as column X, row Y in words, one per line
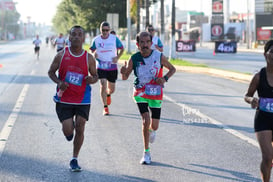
column 152, row 136
column 74, row 166
column 105, row 111
column 146, row 159
column 108, row 99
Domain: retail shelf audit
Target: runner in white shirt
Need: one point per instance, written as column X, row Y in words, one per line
column 59, row 42
column 156, row 42
column 107, row 49
column 37, row 43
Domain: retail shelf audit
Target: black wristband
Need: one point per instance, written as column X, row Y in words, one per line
column 166, row 78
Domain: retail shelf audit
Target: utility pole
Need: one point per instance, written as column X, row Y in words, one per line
column 201, row 26
column 172, row 47
column 162, row 34
column 248, row 27
column 138, row 16
column 147, row 4
column 227, row 11
column 128, row 28
column 2, row 14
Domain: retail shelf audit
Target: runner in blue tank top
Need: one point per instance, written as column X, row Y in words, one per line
column 77, row 70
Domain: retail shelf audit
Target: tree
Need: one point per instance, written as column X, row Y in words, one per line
column 138, row 16
column 134, row 10
column 87, row 13
column 147, row 6
column 9, row 22
column 65, row 17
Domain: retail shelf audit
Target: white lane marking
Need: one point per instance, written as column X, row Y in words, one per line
column 6, row 130
column 217, row 123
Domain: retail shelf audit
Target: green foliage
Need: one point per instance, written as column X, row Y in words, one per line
column 86, row 47
column 180, row 62
column 177, row 62
column 126, row 55
column 133, row 10
column 87, row 13
column 10, row 19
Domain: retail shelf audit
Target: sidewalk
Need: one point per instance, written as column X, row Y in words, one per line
column 217, row 72
column 241, row 47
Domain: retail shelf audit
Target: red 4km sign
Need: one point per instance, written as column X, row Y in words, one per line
column 217, row 7
column 216, row 30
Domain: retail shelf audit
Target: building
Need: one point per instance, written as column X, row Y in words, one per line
column 264, row 20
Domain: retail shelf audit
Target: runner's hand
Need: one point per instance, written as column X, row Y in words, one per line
column 115, row 59
column 160, row 81
column 63, row 85
column 91, row 79
column 123, row 68
column 254, row 103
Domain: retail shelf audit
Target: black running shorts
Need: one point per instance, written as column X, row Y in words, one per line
column 143, row 107
column 36, row 49
column 66, row 111
column 111, row 76
column 263, row 121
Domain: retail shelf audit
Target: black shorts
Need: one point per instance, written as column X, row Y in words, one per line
column 111, row 76
column 36, row 49
column 143, row 107
column 263, row 121
column 59, row 49
column 66, row 111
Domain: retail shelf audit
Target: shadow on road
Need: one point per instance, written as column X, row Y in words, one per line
column 20, row 168
column 238, row 176
column 24, row 79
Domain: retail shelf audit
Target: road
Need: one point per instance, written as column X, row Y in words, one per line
column 205, row 134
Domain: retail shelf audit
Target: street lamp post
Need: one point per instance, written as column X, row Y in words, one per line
column 248, row 27
column 172, row 45
column 128, row 27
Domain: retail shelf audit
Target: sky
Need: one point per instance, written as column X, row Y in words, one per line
column 42, row 11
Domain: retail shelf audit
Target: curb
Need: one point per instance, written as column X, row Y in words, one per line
column 216, row 72
column 213, row 72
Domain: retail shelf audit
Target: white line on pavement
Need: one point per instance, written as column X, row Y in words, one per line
column 6, row 130
column 215, row 122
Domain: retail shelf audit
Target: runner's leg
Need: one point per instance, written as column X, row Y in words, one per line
column 103, row 87
column 111, row 87
column 145, row 129
column 79, row 135
column 265, row 138
column 67, row 126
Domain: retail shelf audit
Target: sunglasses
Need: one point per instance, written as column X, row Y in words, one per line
column 105, row 30
column 150, row 30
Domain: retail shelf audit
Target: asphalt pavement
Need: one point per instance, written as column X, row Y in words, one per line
column 113, row 162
